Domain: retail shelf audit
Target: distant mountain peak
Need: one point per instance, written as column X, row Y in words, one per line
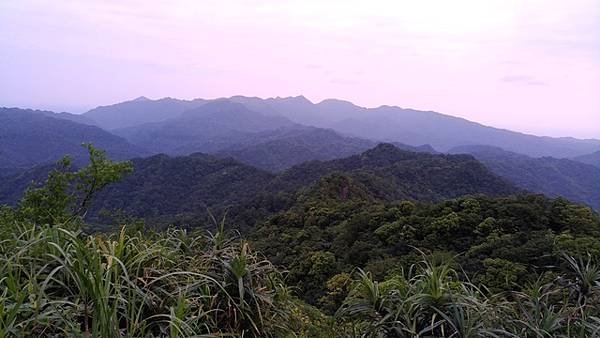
column 336, row 102
column 219, row 105
column 297, row 99
column 141, row 98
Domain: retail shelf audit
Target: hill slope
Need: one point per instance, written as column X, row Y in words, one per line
column 165, row 189
column 281, row 149
column 139, row 111
column 204, row 129
column 392, row 173
column 30, row 137
column 390, row 123
column 553, row 177
column 593, row 159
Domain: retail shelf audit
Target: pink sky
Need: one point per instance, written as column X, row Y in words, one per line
column 526, row 65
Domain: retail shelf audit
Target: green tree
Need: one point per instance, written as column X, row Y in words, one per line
column 66, row 194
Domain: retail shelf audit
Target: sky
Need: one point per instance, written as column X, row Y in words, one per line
column 525, row 65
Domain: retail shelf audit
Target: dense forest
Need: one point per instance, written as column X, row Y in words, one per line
column 340, row 257
column 179, row 190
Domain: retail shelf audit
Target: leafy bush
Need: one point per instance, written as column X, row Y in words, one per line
column 431, row 301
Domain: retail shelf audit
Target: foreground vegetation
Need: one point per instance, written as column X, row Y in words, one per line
column 58, row 279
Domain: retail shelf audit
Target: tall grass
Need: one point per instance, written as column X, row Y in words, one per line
column 58, row 281
column 434, row 302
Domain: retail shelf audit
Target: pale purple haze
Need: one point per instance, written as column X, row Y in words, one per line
column 526, row 65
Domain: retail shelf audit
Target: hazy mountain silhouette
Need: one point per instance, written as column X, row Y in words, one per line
column 553, row 177
column 385, row 123
column 139, row 111
column 208, row 128
column 280, row 149
column 421, row 127
column 265, row 140
column 29, row 137
column 593, row 159
column 79, row 118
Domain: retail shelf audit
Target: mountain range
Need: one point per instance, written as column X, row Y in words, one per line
column 391, row 123
column 385, row 123
column 293, row 137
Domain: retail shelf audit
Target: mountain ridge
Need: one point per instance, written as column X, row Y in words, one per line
column 593, row 158
column 579, row 182
column 29, row 137
column 413, row 127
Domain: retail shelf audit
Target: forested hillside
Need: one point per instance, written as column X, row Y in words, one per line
column 181, row 190
column 338, row 225
column 576, row 181
column 279, row 150
column 164, row 189
column 392, row 173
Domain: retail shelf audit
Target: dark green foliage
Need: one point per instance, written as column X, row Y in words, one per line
column 67, row 193
column 431, row 300
column 162, row 189
column 391, row 173
column 165, row 190
column 501, row 242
